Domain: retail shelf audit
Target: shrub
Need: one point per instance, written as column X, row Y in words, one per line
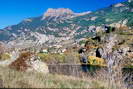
column 96, row 61
column 51, row 58
column 20, row 63
column 5, row 56
column 71, row 57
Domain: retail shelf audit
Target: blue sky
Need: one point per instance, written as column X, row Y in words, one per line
column 14, row 11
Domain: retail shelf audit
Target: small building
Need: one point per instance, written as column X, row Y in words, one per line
column 63, row 50
column 44, row 51
column 57, row 46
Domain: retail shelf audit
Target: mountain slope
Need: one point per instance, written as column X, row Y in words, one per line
column 65, row 23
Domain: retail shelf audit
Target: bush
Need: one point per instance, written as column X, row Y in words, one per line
column 96, row 61
column 5, row 56
column 51, row 58
column 20, row 64
column 71, row 57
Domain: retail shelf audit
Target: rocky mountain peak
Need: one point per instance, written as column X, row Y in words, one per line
column 57, row 12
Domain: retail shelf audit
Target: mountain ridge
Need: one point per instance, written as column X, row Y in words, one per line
column 81, row 25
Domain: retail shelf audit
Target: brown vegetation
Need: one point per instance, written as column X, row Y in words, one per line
column 20, row 63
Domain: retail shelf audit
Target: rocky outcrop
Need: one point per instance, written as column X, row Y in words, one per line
column 63, row 13
column 2, row 47
column 110, row 41
column 27, row 61
column 119, row 5
column 38, row 66
column 115, row 58
column 58, row 12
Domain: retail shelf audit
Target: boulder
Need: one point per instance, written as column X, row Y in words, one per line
column 38, row 66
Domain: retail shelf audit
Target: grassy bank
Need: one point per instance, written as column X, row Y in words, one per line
column 14, row 79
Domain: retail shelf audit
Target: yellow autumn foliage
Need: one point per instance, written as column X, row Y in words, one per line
column 94, row 46
column 5, row 56
column 96, row 61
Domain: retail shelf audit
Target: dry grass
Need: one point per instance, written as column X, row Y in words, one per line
column 15, row 79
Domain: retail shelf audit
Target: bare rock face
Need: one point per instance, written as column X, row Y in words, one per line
column 38, row 66
column 119, row 5
column 115, row 58
column 58, row 12
column 2, row 47
column 110, row 41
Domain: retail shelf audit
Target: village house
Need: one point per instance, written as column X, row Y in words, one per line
column 44, row 50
